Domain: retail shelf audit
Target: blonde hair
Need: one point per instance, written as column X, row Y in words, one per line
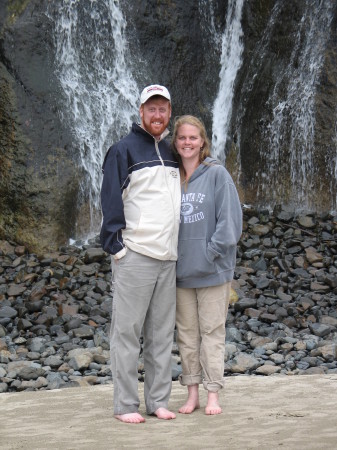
column 191, row 120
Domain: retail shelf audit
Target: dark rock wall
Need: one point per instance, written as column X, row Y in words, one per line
column 267, row 54
column 172, row 43
column 326, row 120
column 38, row 180
column 176, row 49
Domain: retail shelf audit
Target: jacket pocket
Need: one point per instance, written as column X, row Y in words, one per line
column 192, row 259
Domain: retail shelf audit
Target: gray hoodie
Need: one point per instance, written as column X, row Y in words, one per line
column 210, row 227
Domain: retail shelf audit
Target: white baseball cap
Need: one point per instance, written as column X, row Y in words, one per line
column 154, row 89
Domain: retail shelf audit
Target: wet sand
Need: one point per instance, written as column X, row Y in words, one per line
column 275, row 412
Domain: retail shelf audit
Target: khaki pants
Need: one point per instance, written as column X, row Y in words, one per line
column 144, row 298
column 200, row 320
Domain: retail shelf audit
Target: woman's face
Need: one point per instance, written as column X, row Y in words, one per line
column 188, row 143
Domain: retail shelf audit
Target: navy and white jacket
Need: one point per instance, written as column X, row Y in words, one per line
column 140, row 197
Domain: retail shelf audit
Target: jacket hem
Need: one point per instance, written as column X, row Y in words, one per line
column 143, row 251
column 211, row 280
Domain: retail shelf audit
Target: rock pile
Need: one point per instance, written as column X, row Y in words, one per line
column 54, row 317
column 55, row 308
column 285, row 320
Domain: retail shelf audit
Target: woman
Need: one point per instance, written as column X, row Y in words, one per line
column 210, row 227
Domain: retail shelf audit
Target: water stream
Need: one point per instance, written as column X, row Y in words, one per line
column 231, row 60
column 286, row 151
column 334, row 165
column 207, row 24
column 99, row 92
column 291, row 131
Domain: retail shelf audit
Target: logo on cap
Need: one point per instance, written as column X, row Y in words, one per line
column 154, row 88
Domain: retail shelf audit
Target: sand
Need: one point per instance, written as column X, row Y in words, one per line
column 275, row 412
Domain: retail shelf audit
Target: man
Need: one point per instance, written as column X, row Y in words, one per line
column 141, row 207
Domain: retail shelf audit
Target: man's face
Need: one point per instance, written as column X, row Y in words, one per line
column 155, row 115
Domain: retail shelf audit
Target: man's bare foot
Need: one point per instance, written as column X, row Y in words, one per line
column 192, row 402
column 130, row 418
column 213, row 406
column 163, row 413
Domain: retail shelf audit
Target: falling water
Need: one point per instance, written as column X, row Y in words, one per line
column 207, row 23
column 256, row 64
column 334, row 166
column 290, row 134
column 100, row 93
column 231, row 60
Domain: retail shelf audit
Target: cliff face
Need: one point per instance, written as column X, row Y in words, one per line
column 38, row 181
column 285, row 104
column 177, row 44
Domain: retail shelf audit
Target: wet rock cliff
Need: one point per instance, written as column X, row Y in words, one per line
column 38, row 182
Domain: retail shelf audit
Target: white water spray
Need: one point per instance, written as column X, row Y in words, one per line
column 292, row 129
column 100, row 93
column 207, row 23
column 334, row 166
column 231, row 60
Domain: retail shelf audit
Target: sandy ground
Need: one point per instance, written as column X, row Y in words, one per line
column 275, row 412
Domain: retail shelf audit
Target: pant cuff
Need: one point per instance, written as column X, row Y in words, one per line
column 151, row 409
column 213, row 386
column 188, row 380
column 119, row 411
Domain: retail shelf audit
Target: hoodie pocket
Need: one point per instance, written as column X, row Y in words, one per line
column 192, row 259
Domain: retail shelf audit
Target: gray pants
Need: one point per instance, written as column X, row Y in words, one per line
column 144, row 298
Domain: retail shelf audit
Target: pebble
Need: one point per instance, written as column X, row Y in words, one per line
column 55, row 308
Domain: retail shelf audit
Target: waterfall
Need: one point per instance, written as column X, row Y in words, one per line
column 291, row 131
column 334, row 165
column 207, row 24
column 98, row 90
column 231, row 60
column 255, row 66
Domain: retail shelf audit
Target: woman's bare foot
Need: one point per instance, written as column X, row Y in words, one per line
column 130, row 418
column 163, row 413
column 213, row 406
column 192, row 402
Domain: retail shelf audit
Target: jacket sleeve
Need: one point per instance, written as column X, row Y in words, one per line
column 228, row 212
column 115, row 179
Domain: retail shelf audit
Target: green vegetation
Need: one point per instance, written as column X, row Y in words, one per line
column 15, row 9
